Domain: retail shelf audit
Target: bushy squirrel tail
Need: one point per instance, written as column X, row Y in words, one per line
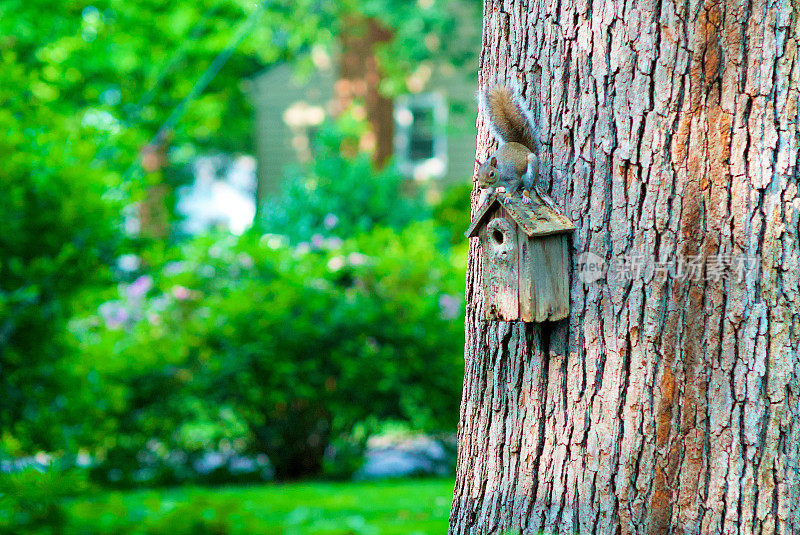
column 508, row 116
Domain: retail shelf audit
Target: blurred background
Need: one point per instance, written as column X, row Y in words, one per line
column 232, row 263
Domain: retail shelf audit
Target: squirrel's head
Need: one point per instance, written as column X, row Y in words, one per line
column 488, row 174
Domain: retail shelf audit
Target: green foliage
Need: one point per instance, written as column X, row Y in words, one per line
column 219, row 352
column 294, row 343
column 344, row 456
column 124, row 65
column 421, row 32
column 424, row 33
column 339, row 195
column 452, row 213
column 32, row 502
column 58, row 233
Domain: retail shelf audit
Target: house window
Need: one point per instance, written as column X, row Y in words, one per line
column 420, row 143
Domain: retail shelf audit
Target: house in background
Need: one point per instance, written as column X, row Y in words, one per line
column 287, row 112
column 431, row 135
column 430, row 131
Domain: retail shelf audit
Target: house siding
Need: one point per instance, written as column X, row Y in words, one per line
column 277, row 89
column 274, row 91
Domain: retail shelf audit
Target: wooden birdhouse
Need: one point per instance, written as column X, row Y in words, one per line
column 525, row 249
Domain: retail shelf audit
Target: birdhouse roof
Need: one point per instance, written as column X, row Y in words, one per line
column 538, row 218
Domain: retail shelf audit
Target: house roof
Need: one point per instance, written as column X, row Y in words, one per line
column 539, row 218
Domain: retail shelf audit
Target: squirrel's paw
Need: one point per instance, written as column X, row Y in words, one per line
column 505, row 199
column 526, row 197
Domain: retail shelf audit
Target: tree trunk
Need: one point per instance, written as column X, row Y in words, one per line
column 360, row 77
column 669, row 401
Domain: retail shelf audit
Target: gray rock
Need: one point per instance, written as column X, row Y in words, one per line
column 392, row 456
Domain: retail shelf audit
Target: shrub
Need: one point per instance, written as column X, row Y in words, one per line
column 31, row 500
column 340, row 194
column 59, row 231
column 56, row 236
column 268, row 347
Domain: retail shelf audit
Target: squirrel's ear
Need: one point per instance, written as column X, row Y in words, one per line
column 493, row 161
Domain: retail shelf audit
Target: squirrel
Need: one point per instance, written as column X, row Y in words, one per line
column 514, row 165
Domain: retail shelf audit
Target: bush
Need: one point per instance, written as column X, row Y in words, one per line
column 264, row 347
column 340, row 194
column 59, row 231
column 56, row 236
column 31, row 501
column 452, row 213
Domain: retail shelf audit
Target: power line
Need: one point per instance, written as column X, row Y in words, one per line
column 148, row 95
column 205, row 78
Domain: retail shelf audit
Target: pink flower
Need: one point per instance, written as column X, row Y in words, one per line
column 245, row 260
column 114, row 315
column 330, row 221
column 140, row 287
column 357, row 259
column 336, row 263
column 153, row 318
column 181, row 293
column 449, row 307
column 333, row 243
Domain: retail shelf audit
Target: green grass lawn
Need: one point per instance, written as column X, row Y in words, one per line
column 407, row 507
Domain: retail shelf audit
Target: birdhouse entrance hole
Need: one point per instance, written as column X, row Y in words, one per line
column 498, row 237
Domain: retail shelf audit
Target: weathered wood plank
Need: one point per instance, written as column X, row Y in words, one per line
column 525, row 276
column 545, row 270
column 499, row 239
column 557, row 256
column 563, row 305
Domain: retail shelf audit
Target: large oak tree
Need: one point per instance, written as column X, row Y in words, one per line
column 668, row 402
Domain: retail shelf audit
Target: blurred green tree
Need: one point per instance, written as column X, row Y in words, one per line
column 84, row 86
column 58, row 235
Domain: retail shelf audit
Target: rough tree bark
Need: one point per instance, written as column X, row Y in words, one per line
column 665, row 403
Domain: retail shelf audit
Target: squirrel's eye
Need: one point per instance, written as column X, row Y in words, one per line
column 491, row 174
